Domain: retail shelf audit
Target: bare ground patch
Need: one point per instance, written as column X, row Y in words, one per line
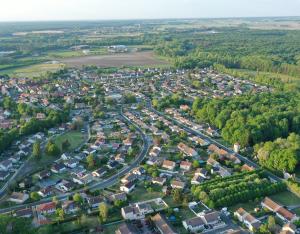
column 116, row 60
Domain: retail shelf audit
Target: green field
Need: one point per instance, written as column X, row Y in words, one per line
column 75, row 139
column 34, row 70
column 141, row 194
column 286, row 198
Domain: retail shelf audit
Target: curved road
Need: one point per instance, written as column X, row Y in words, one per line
column 100, row 185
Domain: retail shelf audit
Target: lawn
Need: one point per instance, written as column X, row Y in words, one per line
column 286, row 198
column 248, row 206
column 141, row 194
column 75, row 139
column 297, row 211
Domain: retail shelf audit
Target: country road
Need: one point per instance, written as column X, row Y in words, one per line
column 100, row 185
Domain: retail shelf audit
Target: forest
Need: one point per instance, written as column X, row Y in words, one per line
column 251, row 119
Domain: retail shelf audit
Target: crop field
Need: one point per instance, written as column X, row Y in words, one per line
column 117, row 60
column 34, row 70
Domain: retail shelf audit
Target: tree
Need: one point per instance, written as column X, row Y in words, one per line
column 271, row 223
column 103, row 212
column 177, row 195
column 51, row 149
column 77, row 198
column 60, row 214
column 65, row 145
column 36, row 150
column 34, row 196
column 90, row 161
column 196, row 164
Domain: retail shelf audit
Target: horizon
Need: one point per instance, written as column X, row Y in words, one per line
column 149, row 19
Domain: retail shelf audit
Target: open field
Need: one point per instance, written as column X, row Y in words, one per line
column 34, row 70
column 116, row 60
column 75, row 139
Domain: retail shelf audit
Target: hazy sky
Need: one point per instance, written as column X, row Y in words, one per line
column 19, row 10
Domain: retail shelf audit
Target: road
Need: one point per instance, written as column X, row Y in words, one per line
column 100, row 185
column 205, row 137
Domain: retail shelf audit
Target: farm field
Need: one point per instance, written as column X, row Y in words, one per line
column 35, row 70
column 116, row 60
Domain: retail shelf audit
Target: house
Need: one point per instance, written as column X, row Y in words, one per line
column 202, row 172
column 58, row 168
column 69, row 207
column 159, row 180
column 279, row 210
column 194, row 224
column 155, row 151
column 112, row 164
column 127, row 228
column 24, row 213
column 44, row 174
column 65, row 186
column 94, row 202
column 185, row 165
column 128, row 187
column 83, row 178
column 213, row 162
column 211, row 217
column 176, row 184
column 71, row 163
column 40, row 116
column 118, row 197
column 251, row 222
column 46, row 208
column 99, row 172
column 120, row 158
column 188, row 151
column 18, row 197
column 130, row 177
column 197, row 179
column 45, row 192
column 162, row 224
column 5, row 165
column 4, row 175
column 15, row 158
column 138, row 171
column 288, row 228
column 136, row 211
column 169, row 165
column 198, row 223
column 246, row 167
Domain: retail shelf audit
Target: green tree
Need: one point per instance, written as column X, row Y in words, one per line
column 103, row 212
column 90, row 161
column 36, row 150
column 60, row 214
column 77, row 198
column 35, row 196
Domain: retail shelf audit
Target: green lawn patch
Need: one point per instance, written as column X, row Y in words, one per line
column 75, row 139
column 141, row 194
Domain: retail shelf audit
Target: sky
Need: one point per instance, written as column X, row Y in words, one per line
column 36, row 10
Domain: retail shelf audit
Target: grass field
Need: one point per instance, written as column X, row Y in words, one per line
column 75, row 139
column 34, row 70
column 141, row 194
column 286, row 198
column 117, row 60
